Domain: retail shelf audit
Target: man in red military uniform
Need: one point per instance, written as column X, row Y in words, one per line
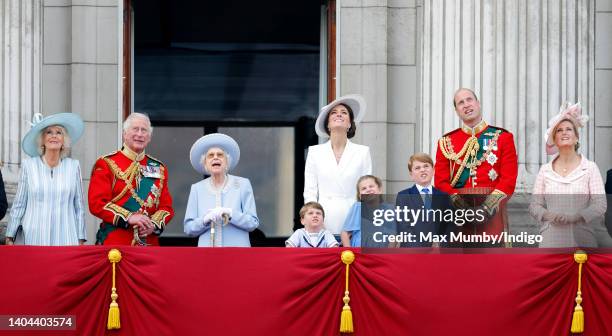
column 129, row 190
column 477, row 160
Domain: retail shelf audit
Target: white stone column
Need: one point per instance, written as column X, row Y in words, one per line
column 603, row 86
column 523, row 58
column 20, row 34
column 362, row 32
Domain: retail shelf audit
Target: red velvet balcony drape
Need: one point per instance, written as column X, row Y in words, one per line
column 271, row 291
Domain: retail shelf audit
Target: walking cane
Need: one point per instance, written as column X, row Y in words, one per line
column 212, row 228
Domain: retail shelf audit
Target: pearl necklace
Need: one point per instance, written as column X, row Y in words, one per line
column 216, row 238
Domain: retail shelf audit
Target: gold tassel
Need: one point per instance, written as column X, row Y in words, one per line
column 114, row 320
column 578, row 318
column 346, row 318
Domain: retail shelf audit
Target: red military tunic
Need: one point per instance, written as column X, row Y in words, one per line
column 480, row 160
column 123, row 183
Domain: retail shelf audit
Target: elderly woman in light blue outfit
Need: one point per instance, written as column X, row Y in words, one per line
column 48, row 205
column 221, row 208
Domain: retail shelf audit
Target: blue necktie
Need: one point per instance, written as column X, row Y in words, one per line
column 426, row 198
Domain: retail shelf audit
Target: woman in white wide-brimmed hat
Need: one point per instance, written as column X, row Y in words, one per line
column 221, row 208
column 332, row 168
column 48, row 205
column 569, row 198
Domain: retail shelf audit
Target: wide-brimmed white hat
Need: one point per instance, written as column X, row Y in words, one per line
column 203, row 144
column 70, row 121
column 354, row 101
column 566, row 111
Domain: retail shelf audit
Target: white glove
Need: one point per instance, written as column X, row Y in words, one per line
column 218, row 214
column 210, row 216
column 227, row 211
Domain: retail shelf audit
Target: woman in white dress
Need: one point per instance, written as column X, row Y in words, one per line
column 332, row 168
column 48, row 205
column 569, row 200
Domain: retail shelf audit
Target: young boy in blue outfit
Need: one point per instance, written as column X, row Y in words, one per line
column 313, row 234
column 423, row 195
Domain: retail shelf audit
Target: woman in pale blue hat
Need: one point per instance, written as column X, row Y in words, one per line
column 221, row 208
column 48, row 206
column 333, row 168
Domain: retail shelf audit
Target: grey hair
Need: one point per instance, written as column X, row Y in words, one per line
column 66, row 147
column 128, row 121
column 203, row 162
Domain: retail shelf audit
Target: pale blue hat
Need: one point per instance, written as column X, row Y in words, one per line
column 70, row 121
column 203, row 144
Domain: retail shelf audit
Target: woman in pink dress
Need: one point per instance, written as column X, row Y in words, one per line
column 569, row 198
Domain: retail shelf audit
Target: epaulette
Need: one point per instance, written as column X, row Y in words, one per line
column 451, row 132
column 107, row 155
column 101, row 158
column 499, row 128
column 155, row 159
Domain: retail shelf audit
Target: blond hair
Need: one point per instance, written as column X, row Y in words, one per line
column 554, row 132
column 311, row 205
column 66, row 147
column 376, row 179
column 421, row 157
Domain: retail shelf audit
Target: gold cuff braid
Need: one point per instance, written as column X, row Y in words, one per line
column 493, row 200
column 118, row 211
column 159, row 218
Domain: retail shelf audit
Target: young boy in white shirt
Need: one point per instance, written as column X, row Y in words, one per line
column 313, row 234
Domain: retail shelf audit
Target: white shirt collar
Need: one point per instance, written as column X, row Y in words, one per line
column 420, row 188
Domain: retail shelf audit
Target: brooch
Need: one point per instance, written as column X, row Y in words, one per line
column 491, row 158
column 493, row 174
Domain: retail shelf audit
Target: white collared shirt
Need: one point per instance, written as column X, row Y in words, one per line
column 420, row 188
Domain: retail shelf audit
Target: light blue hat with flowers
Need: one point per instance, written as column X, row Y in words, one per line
column 70, row 121
column 205, row 143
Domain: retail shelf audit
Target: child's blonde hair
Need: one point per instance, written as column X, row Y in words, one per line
column 376, row 179
column 421, row 157
column 309, row 205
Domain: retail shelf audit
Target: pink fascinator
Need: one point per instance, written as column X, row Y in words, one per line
column 566, row 111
